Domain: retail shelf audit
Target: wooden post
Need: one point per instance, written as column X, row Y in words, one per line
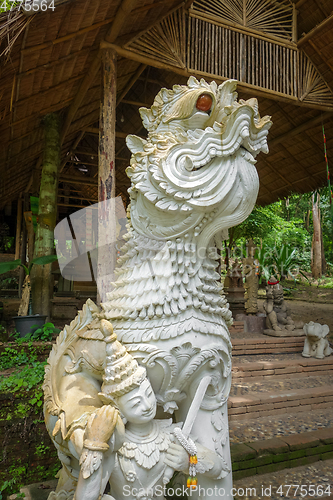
column 18, row 228
column 106, row 175
column 47, row 213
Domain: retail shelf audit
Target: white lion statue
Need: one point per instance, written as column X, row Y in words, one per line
column 192, row 179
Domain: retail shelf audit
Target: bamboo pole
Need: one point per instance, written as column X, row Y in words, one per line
column 106, row 175
column 47, row 212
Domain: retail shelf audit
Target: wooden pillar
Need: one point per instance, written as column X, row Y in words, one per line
column 18, row 228
column 106, row 175
column 44, row 241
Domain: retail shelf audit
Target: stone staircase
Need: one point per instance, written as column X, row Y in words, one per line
column 276, row 395
column 269, row 388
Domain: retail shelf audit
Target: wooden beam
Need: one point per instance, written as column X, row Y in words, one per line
column 74, row 205
column 321, row 172
column 84, row 181
column 131, row 82
column 315, row 31
column 121, row 16
column 106, row 175
column 301, row 128
column 245, row 87
column 65, row 38
column 74, row 145
column 73, row 197
column 61, row 60
column 136, row 103
column 50, row 89
column 119, row 134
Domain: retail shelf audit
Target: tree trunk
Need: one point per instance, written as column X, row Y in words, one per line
column 316, row 257
column 44, row 242
column 18, row 228
column 323, row 259
column 107, row 177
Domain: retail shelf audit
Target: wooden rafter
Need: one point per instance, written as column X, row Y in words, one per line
column 315, row 31
column 300, row 128
column 131, row 82
column 121, row 16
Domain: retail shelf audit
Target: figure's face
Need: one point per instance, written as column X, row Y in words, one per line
column 139, row 405
column 278, row 296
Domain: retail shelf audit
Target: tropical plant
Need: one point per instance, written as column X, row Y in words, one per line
column 281, row 262
column 26, row 305
column 44, row 333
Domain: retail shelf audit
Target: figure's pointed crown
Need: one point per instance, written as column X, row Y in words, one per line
column 121, row 373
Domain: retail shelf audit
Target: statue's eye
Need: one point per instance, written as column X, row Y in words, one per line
column 204, row 102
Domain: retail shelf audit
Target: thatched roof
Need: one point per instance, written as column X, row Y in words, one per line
column 49, row 59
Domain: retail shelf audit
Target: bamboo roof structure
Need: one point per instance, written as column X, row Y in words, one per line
column 279, row 51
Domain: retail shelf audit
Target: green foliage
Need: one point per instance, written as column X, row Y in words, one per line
column 15, row 473
column 286, row 224
column 25, row 379
column 44, row 333
column 11, row 282
column 10, row 266
column 281, row 262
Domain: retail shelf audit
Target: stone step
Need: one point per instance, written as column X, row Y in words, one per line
column 268, row 370
column 237, row 327
column 316, row 479
column 263, row 404
column 263, row 344
column 279, row 384
column 271, row 455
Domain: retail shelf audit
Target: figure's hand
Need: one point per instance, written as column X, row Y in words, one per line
column 177, row 458
column 100, row 427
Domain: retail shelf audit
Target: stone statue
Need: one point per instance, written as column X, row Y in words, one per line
column 316, row 343
column 251, row 284
column 117, row 439
column 234, row 289
column 278, row 320
column 191, row 179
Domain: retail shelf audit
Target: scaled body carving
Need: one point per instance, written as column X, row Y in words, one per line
column 192, row 179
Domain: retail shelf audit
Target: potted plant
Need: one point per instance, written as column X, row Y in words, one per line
column 25, row 320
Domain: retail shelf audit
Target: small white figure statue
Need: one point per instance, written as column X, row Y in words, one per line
column 192, row 178
column 133, row 459
column 316, row 343
column 278, row 320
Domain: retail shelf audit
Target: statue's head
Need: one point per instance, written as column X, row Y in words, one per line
column 274, row 290
column 278, row 294
column 125, row 383
column 316, row 330
column 195, row 172
column 139, row 404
